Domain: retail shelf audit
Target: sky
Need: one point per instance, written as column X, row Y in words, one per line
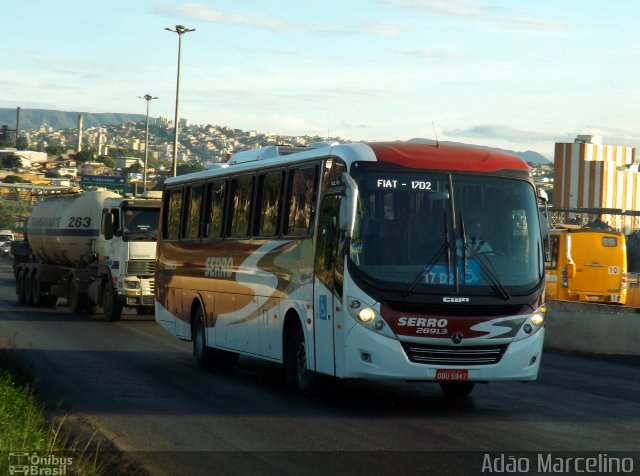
column 519, row 75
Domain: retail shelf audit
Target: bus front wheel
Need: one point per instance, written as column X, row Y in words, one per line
column 296, row 365
column 457, row 389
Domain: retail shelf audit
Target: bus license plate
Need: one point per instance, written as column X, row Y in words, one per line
column 452, row 375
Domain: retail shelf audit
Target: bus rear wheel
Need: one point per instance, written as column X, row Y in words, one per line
column 206, row 356
column 457, row 389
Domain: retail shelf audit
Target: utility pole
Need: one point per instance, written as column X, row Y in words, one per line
column 148, row 98
column 180, row 30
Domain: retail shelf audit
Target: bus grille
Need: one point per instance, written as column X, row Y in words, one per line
column 460, row 309
column 459, row 355
column 141, row 267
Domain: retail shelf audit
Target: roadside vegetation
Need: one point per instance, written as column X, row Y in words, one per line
column 25, row 431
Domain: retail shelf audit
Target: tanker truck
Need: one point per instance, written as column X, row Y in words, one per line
column 93, row 248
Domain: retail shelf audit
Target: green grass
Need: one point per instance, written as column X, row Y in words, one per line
column 23, row 427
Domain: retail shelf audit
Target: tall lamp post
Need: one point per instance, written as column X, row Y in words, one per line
column 180, row 30
column 148, row 98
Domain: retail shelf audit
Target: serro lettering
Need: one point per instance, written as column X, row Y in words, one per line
column 216, row 267
column 422, row 322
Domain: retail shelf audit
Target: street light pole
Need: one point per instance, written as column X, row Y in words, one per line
column 180, row 30
column 148, row 98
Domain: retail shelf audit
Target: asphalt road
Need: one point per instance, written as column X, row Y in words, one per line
column 139, row 387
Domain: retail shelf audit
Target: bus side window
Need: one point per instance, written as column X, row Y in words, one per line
column 240, row 201
column 270, row 195
column 193, row 211
column 172, row 213
column 301, row 201
column 215, row 211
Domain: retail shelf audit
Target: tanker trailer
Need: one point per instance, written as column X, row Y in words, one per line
column 93, row 248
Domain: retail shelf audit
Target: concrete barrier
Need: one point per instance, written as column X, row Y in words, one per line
column 592, row 328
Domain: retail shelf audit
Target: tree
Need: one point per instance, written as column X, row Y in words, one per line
column 7, row 219
column 134, row 168
column 22, row 143
column 54, row 150
column 52, row 173
column 15, row 179
column 183, row 169
column 86, row 155
column 108, row 161
column 11, row 161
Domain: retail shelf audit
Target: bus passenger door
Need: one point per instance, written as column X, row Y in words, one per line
column 324, row 285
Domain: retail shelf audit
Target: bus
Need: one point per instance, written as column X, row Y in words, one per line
column 588, row 265
column 356, row 260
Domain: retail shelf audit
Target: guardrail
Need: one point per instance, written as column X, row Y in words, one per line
column 591, row 328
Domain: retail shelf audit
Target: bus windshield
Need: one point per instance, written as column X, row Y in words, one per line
column 423, row 232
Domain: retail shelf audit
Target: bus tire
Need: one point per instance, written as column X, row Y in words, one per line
column 201, row 353
column 111, row 305
column 456, row 389
column 206, row 356
column 296, row 366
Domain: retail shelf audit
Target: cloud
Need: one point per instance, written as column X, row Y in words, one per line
column 203, row 13
column 472, row 10
column 382, row 30
column 613, row 136
column 510, row 134
column 436, row 54
column 354, row 126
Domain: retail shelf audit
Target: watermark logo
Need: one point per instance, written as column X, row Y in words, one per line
column 21, row 462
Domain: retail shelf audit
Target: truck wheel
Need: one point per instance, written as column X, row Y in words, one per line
column 76, row 307
column 36, row 291
column 49, row 301
column 28, row 289
column 20, row 287
column 111, row 305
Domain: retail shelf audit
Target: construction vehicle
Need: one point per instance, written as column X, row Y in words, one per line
column 588, row 265
column 93, row 248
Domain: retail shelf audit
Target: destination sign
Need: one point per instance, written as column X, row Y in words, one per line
column 403, row 184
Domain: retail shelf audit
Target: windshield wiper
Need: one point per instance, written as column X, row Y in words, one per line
column 432, row 262
column 487, row 271
column 486, row 268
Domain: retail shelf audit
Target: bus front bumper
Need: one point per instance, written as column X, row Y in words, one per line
column 371, row 355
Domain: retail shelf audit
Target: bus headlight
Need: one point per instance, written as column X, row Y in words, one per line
column 537, row 319
column 366, row 315
column 532, row 325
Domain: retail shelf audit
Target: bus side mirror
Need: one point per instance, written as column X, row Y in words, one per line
column 544, row 225
column 348, row 205
column 343, row 215
column 542, row 196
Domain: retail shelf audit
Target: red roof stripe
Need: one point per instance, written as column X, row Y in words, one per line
column 445, row 157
